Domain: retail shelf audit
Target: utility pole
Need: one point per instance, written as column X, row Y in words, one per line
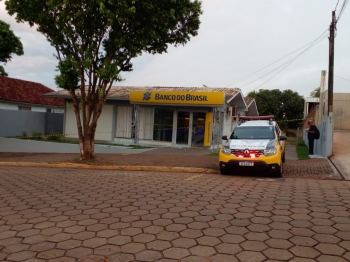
column 331, row 65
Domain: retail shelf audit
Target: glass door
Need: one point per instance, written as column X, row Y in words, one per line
column 198, row 128
column 183, row 124
column 163, row 124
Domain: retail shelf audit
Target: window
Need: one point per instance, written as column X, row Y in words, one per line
column 146, row 116
column 253, row 133
column 124, row 122
column 163, row 124
column 234, row 111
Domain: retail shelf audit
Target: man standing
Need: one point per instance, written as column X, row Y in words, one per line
column 311, row 136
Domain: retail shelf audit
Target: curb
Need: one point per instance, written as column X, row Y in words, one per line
column 107, row 167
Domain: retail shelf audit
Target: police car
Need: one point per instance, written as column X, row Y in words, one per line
column 256, row 144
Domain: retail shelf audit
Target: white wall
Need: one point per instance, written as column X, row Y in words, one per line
column 8, row 106
column 104, row 123
column 34, row 108
column 227, row 126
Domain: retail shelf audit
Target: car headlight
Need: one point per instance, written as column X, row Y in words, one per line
column 226, row 150
column 270, row 151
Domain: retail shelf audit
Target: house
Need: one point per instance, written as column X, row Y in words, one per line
column 16, row 94
column 341, row 110
column 24, row 110
column 316, row 108
column 164, row 116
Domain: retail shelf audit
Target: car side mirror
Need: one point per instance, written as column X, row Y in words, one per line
column 283, row 138
column 224, row 138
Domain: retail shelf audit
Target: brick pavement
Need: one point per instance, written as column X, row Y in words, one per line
column 167, row 159
column 95, row 215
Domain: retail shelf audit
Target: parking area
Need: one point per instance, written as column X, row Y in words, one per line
column 68, row 215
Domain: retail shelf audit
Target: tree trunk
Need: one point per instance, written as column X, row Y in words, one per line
column 86, row 128
column 87, row 146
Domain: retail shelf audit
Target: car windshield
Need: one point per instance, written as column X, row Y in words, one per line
column 253, row 132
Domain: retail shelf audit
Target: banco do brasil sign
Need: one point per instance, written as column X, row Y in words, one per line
column 176, row 97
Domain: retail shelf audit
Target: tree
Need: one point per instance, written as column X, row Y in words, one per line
column 316, row 92
column 9, row 44
column 95, row 40
column 286, row 105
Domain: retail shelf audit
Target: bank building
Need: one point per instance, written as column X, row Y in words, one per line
column 164, row 116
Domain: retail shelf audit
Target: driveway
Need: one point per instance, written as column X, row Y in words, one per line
column 341, row 152
column 94, row 215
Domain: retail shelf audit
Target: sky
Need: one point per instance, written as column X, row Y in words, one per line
column 252, row 45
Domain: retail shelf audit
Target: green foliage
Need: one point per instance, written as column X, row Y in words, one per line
column 55, row 136
column 36, row 136
column 213, row 154
column 283, row 124
column 24, row 135
column 269, row 102
column 316, row 92
column 2, row 71
column 302, row 150
column 96, row 40
column 290, row 134
column 69, row 77
column 99, row 38
column 9, row 44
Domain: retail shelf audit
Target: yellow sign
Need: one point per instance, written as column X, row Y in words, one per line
column 175, row 97
column 208, row 128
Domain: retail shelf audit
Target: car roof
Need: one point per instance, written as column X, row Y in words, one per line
column 257, row 123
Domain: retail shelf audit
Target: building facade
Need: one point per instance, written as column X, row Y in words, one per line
column 25, row 95
column 165, row 116
column 23, row 109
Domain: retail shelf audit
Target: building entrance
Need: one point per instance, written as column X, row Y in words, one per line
column 183, row 126
column 198, row 129
column 190, row 128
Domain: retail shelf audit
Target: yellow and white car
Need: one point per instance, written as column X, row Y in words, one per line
column 256, row 144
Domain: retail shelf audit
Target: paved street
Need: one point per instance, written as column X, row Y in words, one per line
column 68, row 215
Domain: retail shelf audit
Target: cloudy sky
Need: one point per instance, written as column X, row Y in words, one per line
column 255, row 44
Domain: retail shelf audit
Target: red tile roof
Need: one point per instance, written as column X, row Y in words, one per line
column 248, row 100
column 21, row 91
column 123, row 92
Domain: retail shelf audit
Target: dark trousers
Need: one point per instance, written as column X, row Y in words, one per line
column 311, row 146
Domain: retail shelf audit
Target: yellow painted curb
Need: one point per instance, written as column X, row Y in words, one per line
column 106, row 167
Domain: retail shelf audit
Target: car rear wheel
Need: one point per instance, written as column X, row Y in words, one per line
column 284, row 157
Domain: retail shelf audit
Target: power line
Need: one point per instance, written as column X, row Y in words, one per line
column 335, row 9
column 291, row 61
column 343, row 78
column 321, row 36
column 286, row 64
column 342, row 9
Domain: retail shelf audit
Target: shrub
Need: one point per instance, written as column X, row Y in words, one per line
column 36, row 136
column 283, row 124
column 55, row 136
column 291, row 133
column 24, row 135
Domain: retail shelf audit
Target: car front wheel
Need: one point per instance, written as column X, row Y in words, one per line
column 224, row 171
column 279, row 171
